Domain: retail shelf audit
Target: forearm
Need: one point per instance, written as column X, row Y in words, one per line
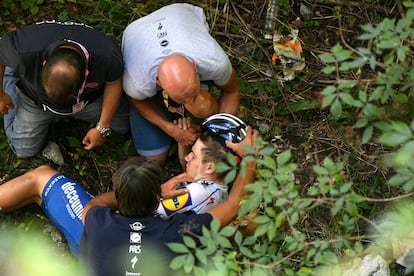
column 111, row 99
column 227, row 211
column 230, row 95
column 152, row 113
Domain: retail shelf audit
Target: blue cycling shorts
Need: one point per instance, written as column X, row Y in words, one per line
column 63, row 200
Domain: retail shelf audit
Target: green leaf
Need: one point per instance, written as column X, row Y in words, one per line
column 355, row 197
column 178, row 247
column 359, row 62
column 398, row 179
column 346, row 98
column 393, row 139
column 409, row 185
column 328, row 100
column 389, row 43
column 367, row 134
column 228, row 231
column 268, row 150
column 401, row 127
column 320, row 170
column 329, row 69
column 343, row 55
column 361, row 122
column 269, row 162
column 339, row 203
column 224, row 242
column 189, row 242
column 280, row 219
column 261, row 219
column 230, row 176
column 327, row 58
column 221, row 167
column 351, row 208
column 346, row 84
column 238, row 238
column 178, row 262
column 336, row 109
column 265, row 173
column 345, row 188
column 201, row 256
column 330, row 89
column 284, row 157
column 189, row 263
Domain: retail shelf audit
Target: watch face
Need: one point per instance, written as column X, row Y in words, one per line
column 106, row 132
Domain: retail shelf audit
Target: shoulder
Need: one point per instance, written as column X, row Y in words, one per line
column 204, row 189
column 97, row 213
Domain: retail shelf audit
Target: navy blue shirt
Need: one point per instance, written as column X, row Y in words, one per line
column 25, row 50
column 113, row 244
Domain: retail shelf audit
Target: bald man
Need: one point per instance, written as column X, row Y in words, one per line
column 50, row 70
column 171, row 63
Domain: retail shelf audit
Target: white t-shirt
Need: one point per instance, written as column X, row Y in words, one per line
column 175, row 29
column 202, row 196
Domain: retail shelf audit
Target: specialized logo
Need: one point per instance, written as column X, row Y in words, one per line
column 211, row 201
column 137, row 226
column 134, row 261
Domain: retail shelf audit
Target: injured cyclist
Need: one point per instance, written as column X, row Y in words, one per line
column 197, row 190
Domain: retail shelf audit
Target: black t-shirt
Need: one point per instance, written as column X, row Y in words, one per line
column 114, row 245
column 25, row 50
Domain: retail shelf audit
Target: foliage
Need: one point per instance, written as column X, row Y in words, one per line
column 279, row 243
column 388, row 53
column 31, row 260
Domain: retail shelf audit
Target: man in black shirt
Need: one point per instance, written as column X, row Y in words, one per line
column 54, row 69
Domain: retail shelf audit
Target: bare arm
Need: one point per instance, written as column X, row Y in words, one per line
column 106, row 199
column 227, row 211
column 230, row 95
column 111, row 98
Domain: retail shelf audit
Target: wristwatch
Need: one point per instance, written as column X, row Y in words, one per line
column 104, row 131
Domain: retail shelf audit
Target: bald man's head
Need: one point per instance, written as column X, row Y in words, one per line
column 178, row 77
column 63, row 74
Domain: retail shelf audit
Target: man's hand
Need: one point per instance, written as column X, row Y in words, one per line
column 93, row 139
column 238, row 148
column 6, row 103
column 187, row 125
column 184, row 131
column 169, row 188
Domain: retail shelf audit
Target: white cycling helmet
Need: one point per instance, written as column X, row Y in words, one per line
column 226, row 126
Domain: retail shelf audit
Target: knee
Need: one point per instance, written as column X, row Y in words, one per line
column 161, row 159
column 23, row 149
column 40, row 173
column 24, row 153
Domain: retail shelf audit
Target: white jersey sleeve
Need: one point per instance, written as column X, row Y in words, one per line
column 202, row 197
